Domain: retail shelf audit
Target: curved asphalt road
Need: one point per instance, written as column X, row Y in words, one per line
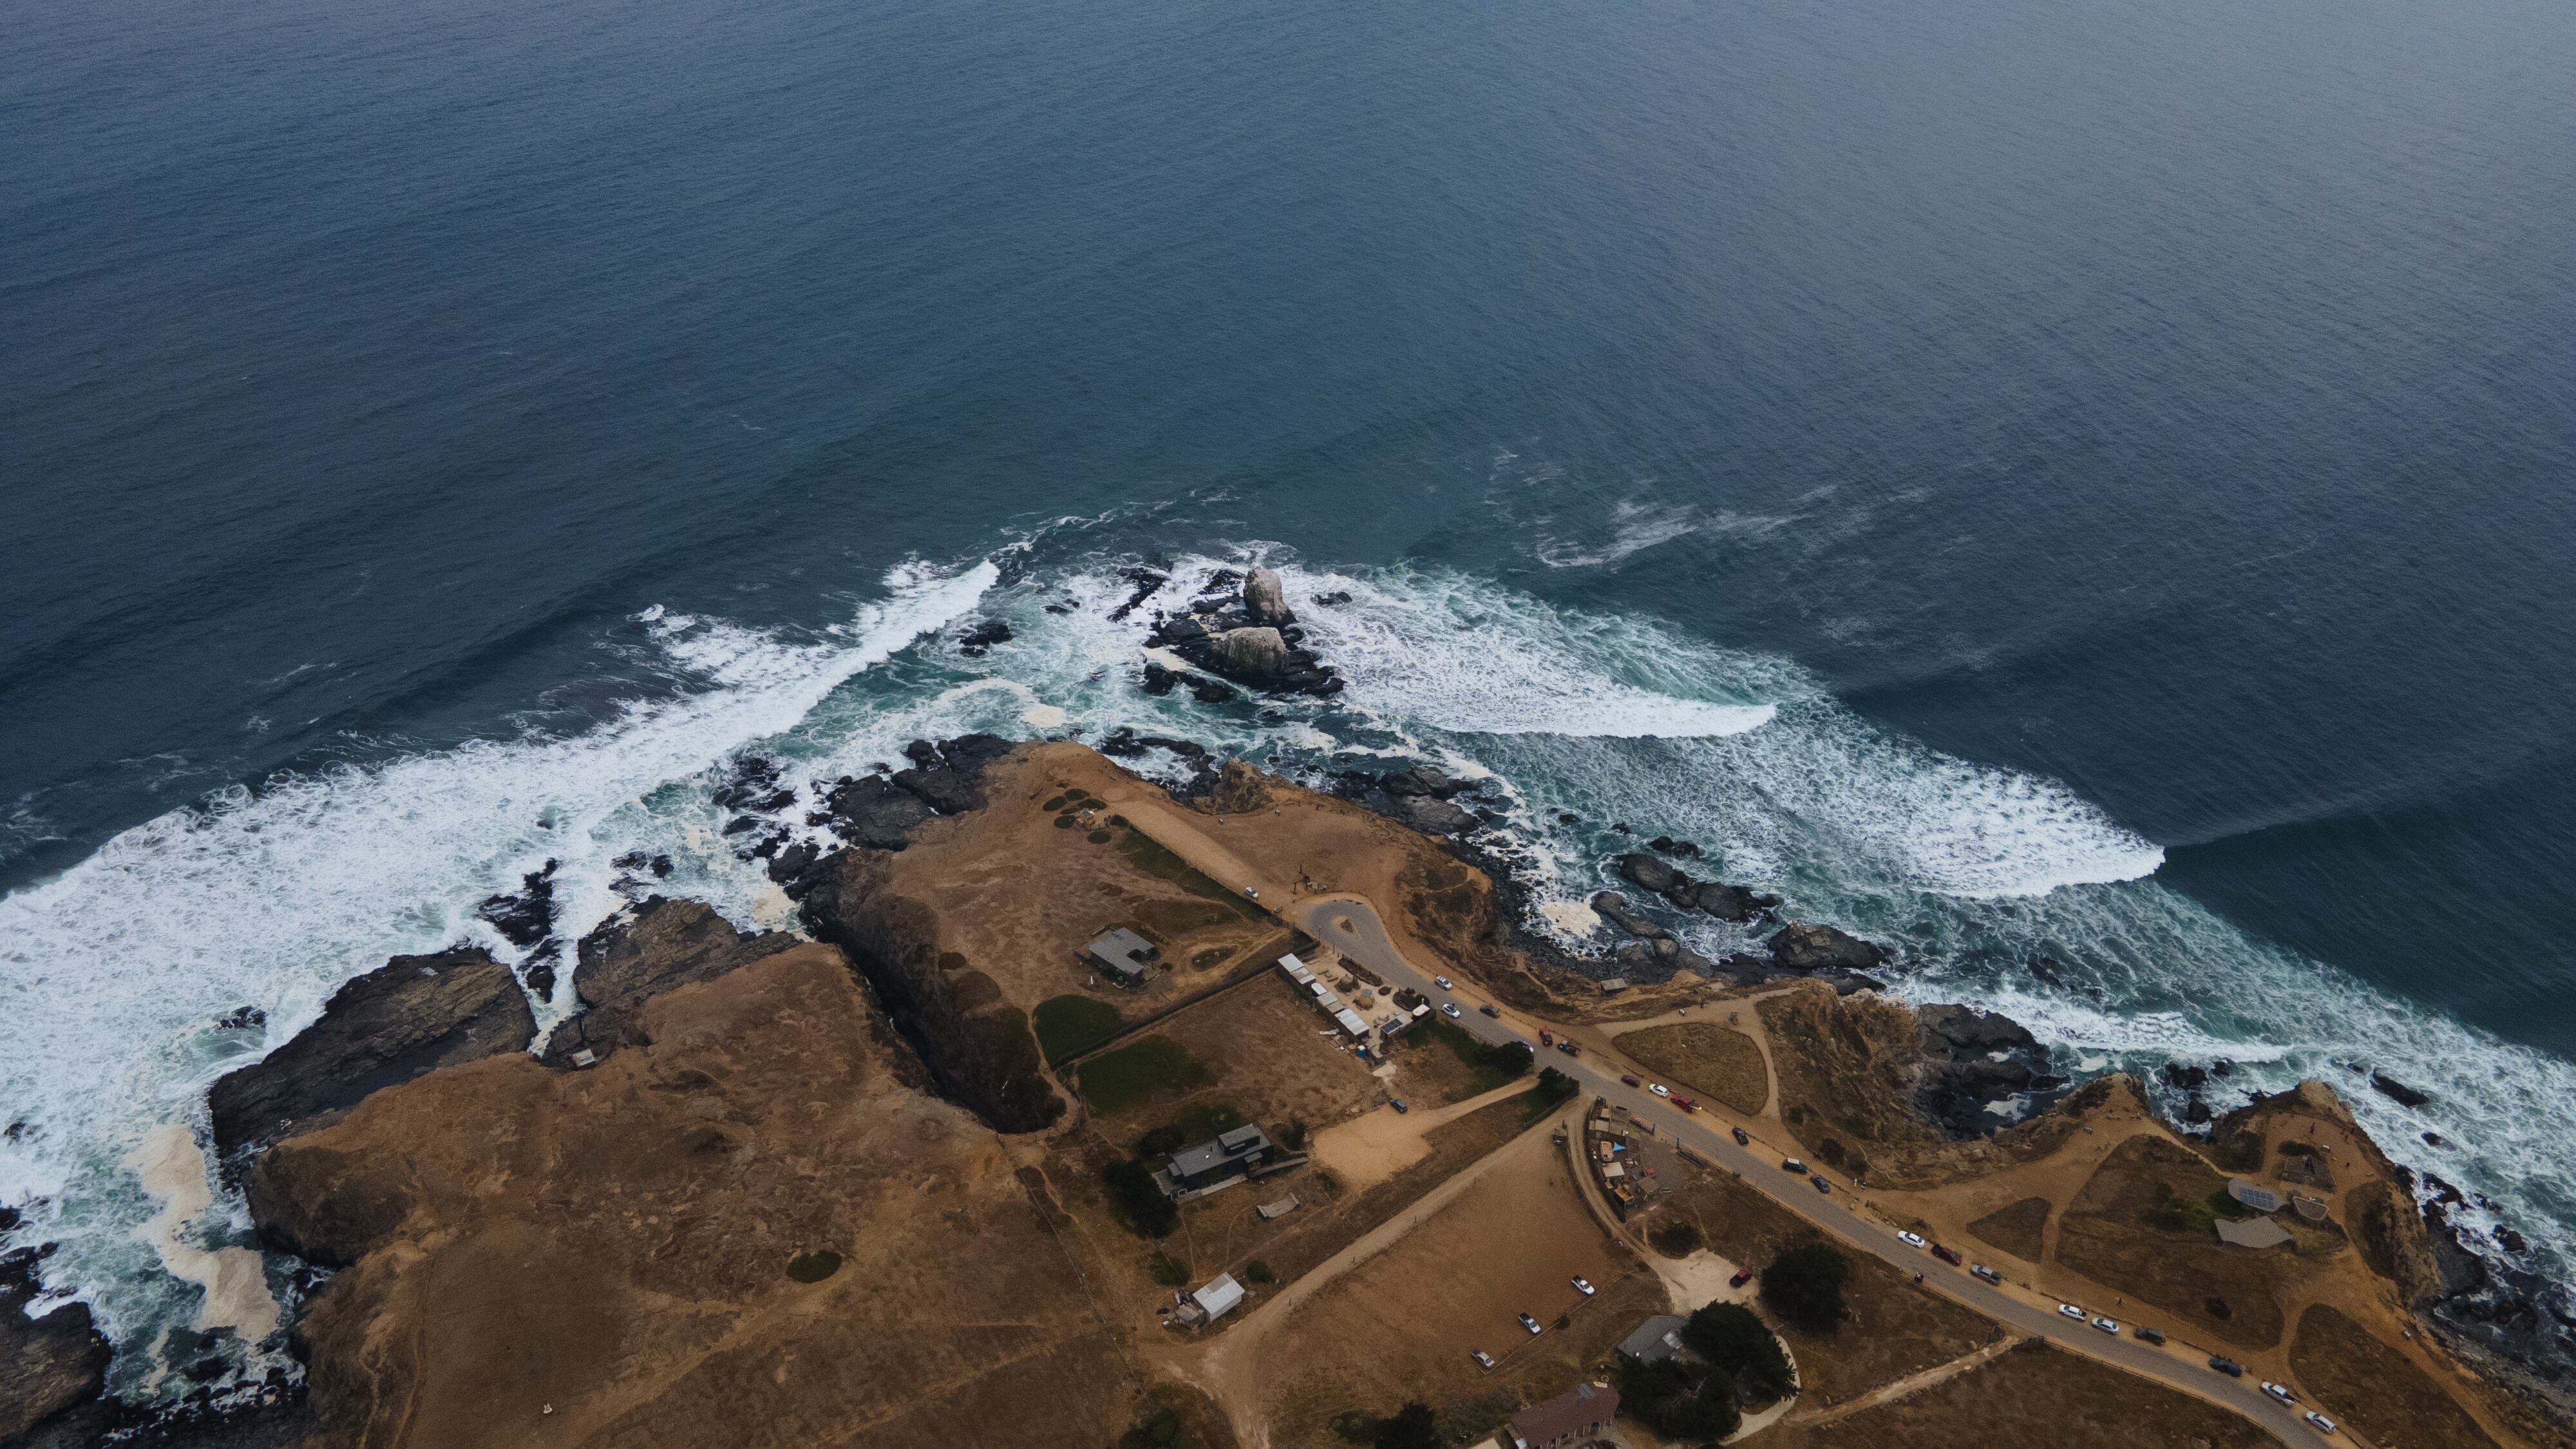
column 1839, row 1213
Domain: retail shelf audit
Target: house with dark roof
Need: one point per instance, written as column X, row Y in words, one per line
column 1577, row 1414
column 1230, row 1155
column 1656, row 1339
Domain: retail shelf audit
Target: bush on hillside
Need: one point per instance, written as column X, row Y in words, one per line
column 1740, row 1346
column 1805, row 1287
column 1138, row 1199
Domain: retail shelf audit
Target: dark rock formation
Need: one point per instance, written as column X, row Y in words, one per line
column 525, row 918
column 1252, row 650
column 49, row 1366
column 1966, row 1032
column 870, row 811
column 1613, row 907
column 1730, row 902
column 1716, row 898
column 1423, row 780
column 977, row 1046
column 2404, row 1095
column 1146, row 582
column 407, row 1017
column 241, row 1018
column 1433, row 816
column 1264, row 599
column 982, row 637
column 627, row 962
column 1333, row 600
column 1807, row 946
column 1647, row 873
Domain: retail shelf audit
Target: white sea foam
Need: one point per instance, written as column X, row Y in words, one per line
column 113, row 973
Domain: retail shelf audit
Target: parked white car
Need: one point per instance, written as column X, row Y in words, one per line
column 1584, row 1287
column 2069, row 1310
column 1659, row 1089
column 2278, row 1392
column 1449, row 1009
column 2322, row 1424
column 2107, row 1326
column 1443, row 983
column 1911, row 1240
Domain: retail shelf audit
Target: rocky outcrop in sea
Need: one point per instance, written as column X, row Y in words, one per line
column 1249, row 637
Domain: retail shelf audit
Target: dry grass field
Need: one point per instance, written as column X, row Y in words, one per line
column 2140, row 1226
column 1399, row 1326
column 2016, row 1229
column 2377, row 1389
column 1712, row 1060
column 2041, row 1400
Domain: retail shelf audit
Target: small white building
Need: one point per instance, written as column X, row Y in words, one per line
column 1219, row 1297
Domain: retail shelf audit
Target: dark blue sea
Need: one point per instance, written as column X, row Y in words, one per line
column 2086, row 495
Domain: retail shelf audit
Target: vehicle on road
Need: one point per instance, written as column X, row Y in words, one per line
column 1989, row 1274
column 1818, row 1179
column 1546, row 1037
column 1911, row 1240
column 1566, row 1046
column 1791, row 1164
column 1529, row 1323
column 1946, row 1254
column 2278, row 1392
column 1488, row 1009
column 1398, row 1104
column 1685, row 1103
column 1450, row 1010
column 1742, row 1277
column 1443, row 983
column 1254, row 894
column 2149, row 1335
column 1483, row 1359
column 2108, row 1326
column 1626, row 1080
column 2320, row 1422
column 2227, row 1366
column 1742, row 1137
column 1659, row 1089
column 1584, row 1287
column 2069, row 1310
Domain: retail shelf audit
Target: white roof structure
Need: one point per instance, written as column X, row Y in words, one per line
column 2253, row 1233
column 1351, row 1022
column 1292, row 963
column 1219, row 1296
column 2260, row 1199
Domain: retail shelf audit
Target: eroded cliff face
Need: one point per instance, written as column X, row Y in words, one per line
column 744, row 1226
column 977, row 1045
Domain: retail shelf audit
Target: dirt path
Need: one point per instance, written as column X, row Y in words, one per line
column 1232, row 1369
column 1376, row 1145
column 1912, row 1383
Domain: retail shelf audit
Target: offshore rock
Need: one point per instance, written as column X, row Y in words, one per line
column 1257, row 650
column 406, row 1018
column 1731, row 902
column 1808, row 946
column 1969, row 1033
column 1264, row 598
column 1613, row 907
column 625, row 963
column 1647, row 873
column 2402, row 1094
column 524, row 919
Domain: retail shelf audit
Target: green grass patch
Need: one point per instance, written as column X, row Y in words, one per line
column 1493, row 1065
column 1154, row 860
column 1098, row 837
column 1114, row 1081
column 1069, row 1024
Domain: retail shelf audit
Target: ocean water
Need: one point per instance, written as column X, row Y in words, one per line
column 2085, row 498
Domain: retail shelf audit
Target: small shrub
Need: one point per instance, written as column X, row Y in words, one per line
column 1292, row 1135
column 814, row 1267
column 1353, row 1427
column 1738, row 1345
column 1412, row 1427
column 1157, row 1430
column 1065, row 822
column 1053, row 805
column 1098, row 837
column 1831, row 1150
column 1555, row 1086
column 1677, row 1238
column 1169, row 1271
column 1258, row 1270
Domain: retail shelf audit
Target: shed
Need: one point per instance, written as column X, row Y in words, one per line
column 1121, row 955
column 1612, row 985
column 1219, row 1297
column 1351, row 1022
column 1281, row 1208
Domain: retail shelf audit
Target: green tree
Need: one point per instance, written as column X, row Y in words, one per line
column 1412, row 1427
column 1511, row 1059
column 1139, row 1199
column 1738, row 1345
column 1688, row 1402
column 1805, row 1287
column 1556, row 1086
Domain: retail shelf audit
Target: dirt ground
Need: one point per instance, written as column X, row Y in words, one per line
column 1895, row 1328
column 2358, row 1379
column 2017, row 1229
column 1399, row 1326
column 2035, row 1399
column 1709, row 1059
column 1020, row 899
column 2233, row 1293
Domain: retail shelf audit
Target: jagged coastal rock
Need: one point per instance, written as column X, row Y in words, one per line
column 49, row 1366
column 1250, row 638
column 1265, row 598
column 1716, row 898
column 625, row 963
column 406, row 1018
column 1805, row 946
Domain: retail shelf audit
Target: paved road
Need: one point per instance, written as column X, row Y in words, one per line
column 1365, row 941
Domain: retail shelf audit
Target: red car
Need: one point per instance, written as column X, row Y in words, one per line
column 1631, row 1081
column 1546, row 1037
column 1946, row 1255
column 1685, row 1103
column 1742, row 1277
